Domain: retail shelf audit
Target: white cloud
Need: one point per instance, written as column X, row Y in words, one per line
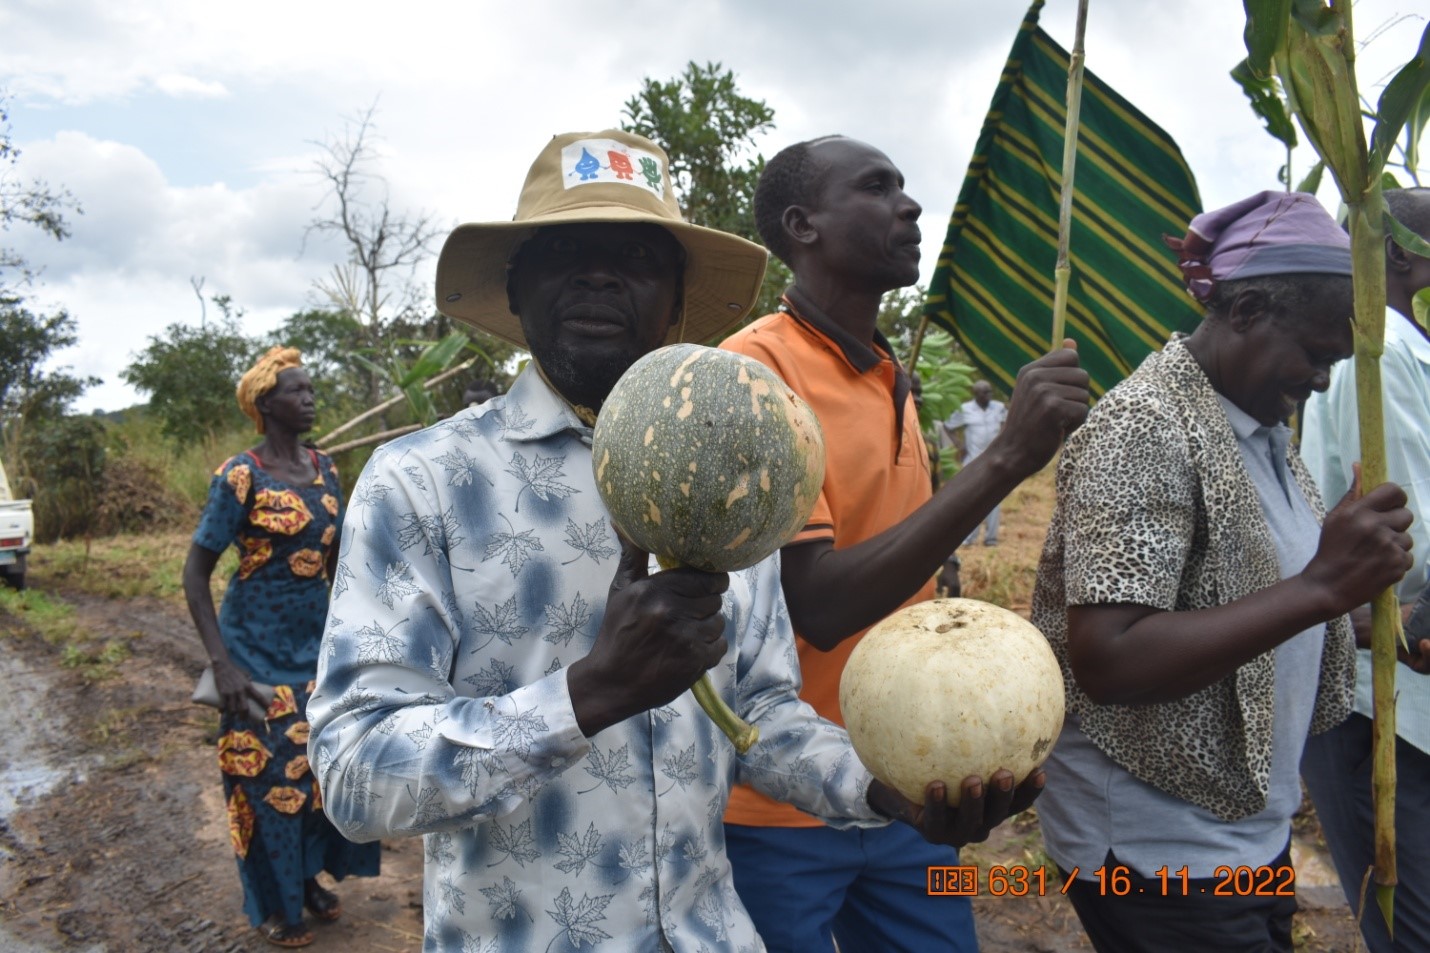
column 467, row 93
column 179, row 85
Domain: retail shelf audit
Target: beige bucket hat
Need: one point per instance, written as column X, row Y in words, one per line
column 607, row 176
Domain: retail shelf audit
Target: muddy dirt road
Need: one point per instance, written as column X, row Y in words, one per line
column 113, row 839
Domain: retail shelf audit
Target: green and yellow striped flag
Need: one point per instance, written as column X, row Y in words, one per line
column 993, row 287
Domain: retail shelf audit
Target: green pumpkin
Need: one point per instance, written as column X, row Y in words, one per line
column 706, row 458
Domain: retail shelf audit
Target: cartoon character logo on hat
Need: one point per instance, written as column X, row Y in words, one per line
column 580, row 166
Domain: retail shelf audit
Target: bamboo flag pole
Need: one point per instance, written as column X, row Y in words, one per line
column 918, row 342
column 1063, row 270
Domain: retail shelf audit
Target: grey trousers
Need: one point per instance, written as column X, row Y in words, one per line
column 1336, row 769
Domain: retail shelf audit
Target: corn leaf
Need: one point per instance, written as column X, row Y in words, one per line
column 1404, row 98
column 1420, row 307
column 1312, row 180
column 420, row 401
column 1320, row 88
column 1414, row 128
column 1407, row 239
column 434, row 359
column 1265, row 32
column 1316, row 18
column 1265, row 95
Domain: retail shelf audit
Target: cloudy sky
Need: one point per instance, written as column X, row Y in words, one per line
column 188, row 132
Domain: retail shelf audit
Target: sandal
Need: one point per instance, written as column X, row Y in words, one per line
column 287, row 935
column 321, row 903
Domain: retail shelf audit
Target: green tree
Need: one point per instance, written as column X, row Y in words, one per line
column 190, row 373
column 29, row 394
column 26, row 202
column 708, row 128
column 327, row 339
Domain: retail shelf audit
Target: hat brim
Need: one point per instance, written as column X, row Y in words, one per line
column 723, row 273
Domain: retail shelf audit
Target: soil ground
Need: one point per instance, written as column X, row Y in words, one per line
column 112, row 831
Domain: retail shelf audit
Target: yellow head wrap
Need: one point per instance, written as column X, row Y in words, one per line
column 262, row 377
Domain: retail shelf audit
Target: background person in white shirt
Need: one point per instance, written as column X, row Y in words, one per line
column 971, row 429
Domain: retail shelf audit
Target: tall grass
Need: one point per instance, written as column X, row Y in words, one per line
column 127, row 567
column 1005, row 574
column 187, row 469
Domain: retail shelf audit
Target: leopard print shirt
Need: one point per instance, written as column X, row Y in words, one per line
column 1155, row 507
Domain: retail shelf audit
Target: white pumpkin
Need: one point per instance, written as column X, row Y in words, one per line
column 944, row 689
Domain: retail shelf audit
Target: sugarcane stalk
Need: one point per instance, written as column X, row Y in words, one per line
column 741, row 733
column 1368, row 257
column 1062, row 271
column 918, row 342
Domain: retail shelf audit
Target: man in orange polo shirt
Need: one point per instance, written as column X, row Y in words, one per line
column 834, row 210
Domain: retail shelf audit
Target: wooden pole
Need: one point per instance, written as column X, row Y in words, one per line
column 428, row 384
column 1062, row 272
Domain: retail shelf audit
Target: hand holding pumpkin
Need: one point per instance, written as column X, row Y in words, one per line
column 981, row 807
column 659, row 635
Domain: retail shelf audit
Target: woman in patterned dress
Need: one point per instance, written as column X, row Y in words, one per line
column 280, row 505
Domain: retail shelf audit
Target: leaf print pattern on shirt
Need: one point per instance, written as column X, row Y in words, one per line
column 415, row 475
column 566, row 620
column 396, row 584
column 429, row 806
column 514, row 841
column 612, row 769
column 514, row 548
column 420, row 737
column 453, row 896
column 579, row 919
column 439, row 848
column 512, row 421
column 369, row 495
column 340, row 581
column 461, row 468
column 591, row 541
column 502, row 622
column 518, row 730
column 505, row 899
column 497, row 679
column 438, row 534
column 540, row 477
column 475, row 944
column 679, row 768
column 578, row 851
column 375, row 645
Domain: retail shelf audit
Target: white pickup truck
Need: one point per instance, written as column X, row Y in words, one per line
column 17, row 526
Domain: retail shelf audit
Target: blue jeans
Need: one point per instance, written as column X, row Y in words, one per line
column 867, row 888
column 1336, row 769
column 990, row 529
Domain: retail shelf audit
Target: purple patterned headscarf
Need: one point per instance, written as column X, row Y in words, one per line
column 1270, row 233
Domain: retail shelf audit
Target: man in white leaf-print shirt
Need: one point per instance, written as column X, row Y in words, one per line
column 504, row 676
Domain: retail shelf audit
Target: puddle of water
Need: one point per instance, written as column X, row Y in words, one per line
column 29, row 740
column 31, row 745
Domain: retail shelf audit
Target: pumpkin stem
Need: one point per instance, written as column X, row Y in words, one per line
column 741, row 733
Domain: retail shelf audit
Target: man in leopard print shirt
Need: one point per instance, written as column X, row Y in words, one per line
column 1196, row 602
